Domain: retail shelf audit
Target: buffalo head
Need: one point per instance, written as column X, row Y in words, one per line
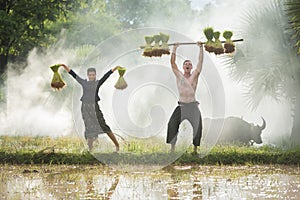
column 256, row 131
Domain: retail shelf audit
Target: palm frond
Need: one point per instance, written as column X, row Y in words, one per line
column 293, row 11
column 266, row 60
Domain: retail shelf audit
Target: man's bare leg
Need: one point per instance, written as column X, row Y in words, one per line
column 90, row 143
column 115, row 141
column 172, row 148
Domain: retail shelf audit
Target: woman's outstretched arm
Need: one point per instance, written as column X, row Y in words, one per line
column 72, row 73
column 106, row 75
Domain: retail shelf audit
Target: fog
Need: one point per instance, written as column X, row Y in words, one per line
column 35, row 109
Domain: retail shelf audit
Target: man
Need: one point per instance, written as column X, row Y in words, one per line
column 187, row 105
column 91, row 114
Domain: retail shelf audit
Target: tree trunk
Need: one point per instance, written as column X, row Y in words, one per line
column 295, row 136
column 3, row 79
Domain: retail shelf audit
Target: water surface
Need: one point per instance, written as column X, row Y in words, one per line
column 173, row 182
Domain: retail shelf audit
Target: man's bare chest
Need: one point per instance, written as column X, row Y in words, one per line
column 187, row 82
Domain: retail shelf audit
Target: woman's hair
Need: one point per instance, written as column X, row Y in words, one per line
column 92, row 69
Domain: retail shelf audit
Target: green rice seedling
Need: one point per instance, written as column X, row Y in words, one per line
column 148, row 48
column 229, row 45
column 209, row 34
column 218, row 48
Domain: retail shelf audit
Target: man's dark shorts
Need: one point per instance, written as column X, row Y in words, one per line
column 190, row 112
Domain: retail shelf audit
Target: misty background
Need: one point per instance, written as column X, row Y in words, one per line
column 33, row 108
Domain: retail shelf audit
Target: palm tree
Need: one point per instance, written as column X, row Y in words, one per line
column 293, row 12
column 266, row 61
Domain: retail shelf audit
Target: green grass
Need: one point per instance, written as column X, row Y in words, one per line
column 71, row 150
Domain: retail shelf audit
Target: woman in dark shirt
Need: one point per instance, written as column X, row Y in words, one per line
column 91, row 114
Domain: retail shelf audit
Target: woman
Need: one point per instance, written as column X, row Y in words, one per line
column 92, row 116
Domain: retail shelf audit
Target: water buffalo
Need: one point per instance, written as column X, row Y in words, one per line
column 231, row 130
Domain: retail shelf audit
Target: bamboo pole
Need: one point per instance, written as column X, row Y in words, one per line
column 189, row 43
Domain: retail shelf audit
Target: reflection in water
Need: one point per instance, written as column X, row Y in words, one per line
column 197, row 190
column 173, row 186
column 174, row 182
column 95, row 187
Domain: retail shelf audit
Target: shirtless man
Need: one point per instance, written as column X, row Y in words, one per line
column 187, row 105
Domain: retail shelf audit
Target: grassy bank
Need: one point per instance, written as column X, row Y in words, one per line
column 66, row 150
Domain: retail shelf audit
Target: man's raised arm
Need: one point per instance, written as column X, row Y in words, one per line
column 200, row 59
column 173, row 58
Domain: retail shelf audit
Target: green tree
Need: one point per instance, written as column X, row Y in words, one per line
column 293, row 11
column 131, row 14
column 22, row 27
column 90, row 25
column 172, row 14
column 266, row 61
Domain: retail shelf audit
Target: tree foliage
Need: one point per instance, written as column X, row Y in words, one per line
column 22, row 27
column 22, row 23
column 131, row 14
column 266, row 61
column 174, row 14
column 293, row 11
column 91, row 24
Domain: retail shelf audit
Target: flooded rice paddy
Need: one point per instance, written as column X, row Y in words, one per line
column 173, row 182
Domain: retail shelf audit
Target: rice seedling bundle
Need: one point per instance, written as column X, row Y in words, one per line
column 57, row 81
